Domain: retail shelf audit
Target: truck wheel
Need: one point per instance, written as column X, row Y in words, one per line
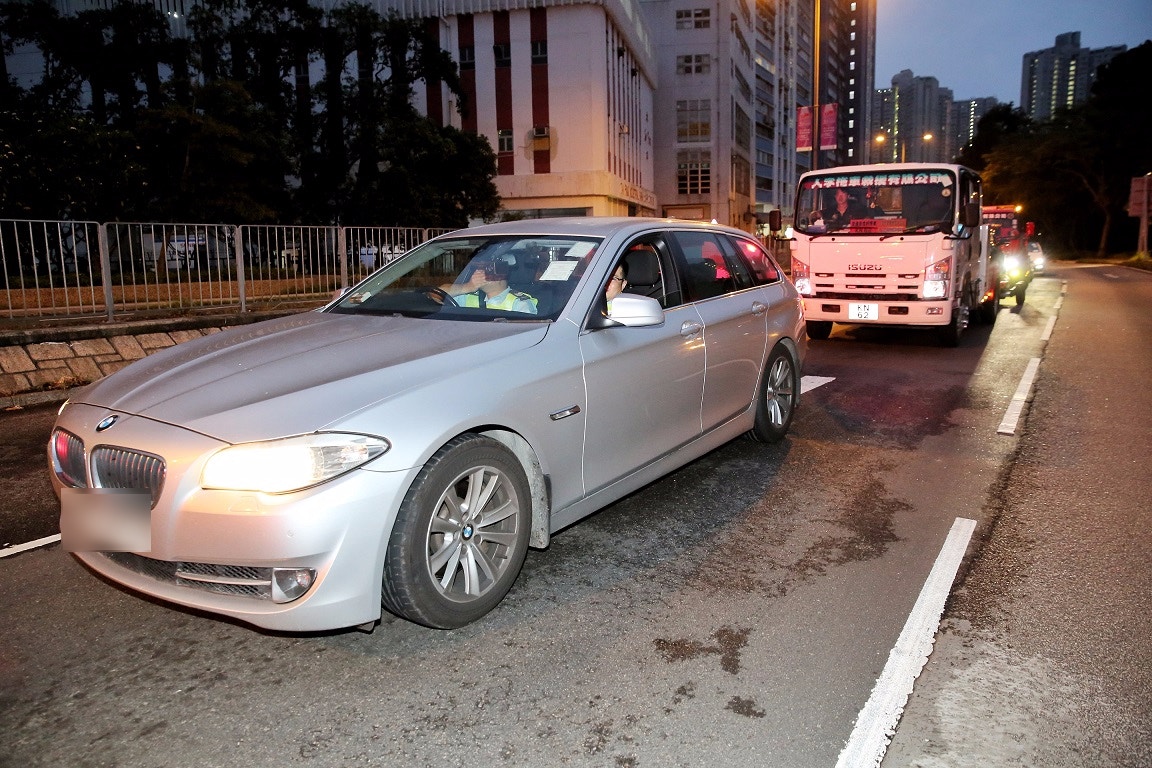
column 819, row 329
column 989, row 309
column 1019, row 292
column 950, row 334
column 777, row 398
column 460, row 536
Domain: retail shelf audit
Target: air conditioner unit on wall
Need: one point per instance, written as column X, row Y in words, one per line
column 540, row 132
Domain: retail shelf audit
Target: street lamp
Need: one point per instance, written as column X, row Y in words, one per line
column 924, row 147
column 881, row 139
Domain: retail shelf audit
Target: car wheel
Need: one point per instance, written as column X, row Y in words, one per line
column 818, row 329
column 460, row 537
column 1019, row 292
column 778, row 397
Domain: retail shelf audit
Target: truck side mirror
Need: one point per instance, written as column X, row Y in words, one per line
column 775, row 223
column 1030, row 228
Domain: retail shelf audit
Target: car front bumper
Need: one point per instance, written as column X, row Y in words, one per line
column 212, row 550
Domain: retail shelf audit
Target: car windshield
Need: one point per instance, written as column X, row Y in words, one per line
column 869, row 203
column 506, row 277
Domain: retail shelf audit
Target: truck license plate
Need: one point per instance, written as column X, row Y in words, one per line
column 863, row 311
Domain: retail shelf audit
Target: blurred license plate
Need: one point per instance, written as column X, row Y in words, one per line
column 863, row 311
column 105, row 519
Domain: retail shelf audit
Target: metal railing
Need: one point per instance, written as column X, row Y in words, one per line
column 76, row 269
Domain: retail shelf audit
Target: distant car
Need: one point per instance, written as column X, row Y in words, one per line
column 403, row 446
column 1036, row 256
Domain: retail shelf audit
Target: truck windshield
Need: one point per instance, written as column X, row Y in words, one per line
column 870, row 203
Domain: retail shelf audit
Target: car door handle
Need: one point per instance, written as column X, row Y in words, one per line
column 759, row 307
column 690, row 328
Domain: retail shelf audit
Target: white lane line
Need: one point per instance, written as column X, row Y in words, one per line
column 1016, row 406
column 809, row 383
column 7, row 552
column 878, row 719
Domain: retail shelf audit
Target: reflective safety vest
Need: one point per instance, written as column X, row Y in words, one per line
column 505, row 300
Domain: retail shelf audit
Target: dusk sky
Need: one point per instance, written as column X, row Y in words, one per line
column 975, row 47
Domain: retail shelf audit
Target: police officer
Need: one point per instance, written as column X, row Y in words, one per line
column 487, row 287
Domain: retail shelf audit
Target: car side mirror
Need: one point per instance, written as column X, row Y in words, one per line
column 636, row 311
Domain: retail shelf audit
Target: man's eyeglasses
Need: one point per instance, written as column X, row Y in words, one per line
column 618, row 280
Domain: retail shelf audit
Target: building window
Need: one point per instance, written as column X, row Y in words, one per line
column 503, row 54
column 540, row 52
column 693, row 172
column 741, row 175
column 694, row 120
column 741, row 127
column 694, row 18
column 504, row 140
column 468, row 57
column 694, row 64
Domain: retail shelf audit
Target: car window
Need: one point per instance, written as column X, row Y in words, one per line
column 707, row 270
column 649, row 270
column 477, row 279
column 760, row 265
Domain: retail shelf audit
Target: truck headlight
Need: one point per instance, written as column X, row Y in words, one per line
column 936, row 280
column 290, row 464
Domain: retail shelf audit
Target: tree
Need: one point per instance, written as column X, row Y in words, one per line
column 997, row 124
column 1073, row 173
column 220, row 161
column 56, row 163
column 226, row 125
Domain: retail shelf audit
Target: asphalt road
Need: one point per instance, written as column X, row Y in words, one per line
column 1045, row 658
column 739, row 611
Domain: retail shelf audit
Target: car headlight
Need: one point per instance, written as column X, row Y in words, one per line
column 291, row 464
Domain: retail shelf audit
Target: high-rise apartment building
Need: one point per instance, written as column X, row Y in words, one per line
column 704, row 106
column 1060, row 77
column 966, row 116
column 785, row 43
column 913, row 121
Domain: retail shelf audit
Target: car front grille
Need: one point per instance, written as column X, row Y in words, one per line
column 239, row 580
column 114, row 467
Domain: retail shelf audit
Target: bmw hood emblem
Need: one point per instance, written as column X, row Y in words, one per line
column 107, row 422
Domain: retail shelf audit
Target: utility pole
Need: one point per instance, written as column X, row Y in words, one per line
column 816, row 87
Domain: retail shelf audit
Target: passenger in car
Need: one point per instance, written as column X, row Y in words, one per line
column 617, row 283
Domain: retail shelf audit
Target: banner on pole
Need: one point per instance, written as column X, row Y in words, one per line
column 828, row 125
column 804, row 129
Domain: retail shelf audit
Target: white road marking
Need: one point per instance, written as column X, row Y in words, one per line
column 1016, row 406
column 809, row 383
column 878, row 719
column 9, row 551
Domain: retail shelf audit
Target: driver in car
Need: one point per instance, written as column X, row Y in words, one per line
column 484, row 284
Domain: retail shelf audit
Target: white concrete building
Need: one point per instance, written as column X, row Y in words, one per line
column 564, row 93
column 705, row 108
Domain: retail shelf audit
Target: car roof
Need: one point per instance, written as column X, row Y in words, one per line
column 590, row 226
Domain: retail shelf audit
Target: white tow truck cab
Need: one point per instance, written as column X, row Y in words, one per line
column 892, row 244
